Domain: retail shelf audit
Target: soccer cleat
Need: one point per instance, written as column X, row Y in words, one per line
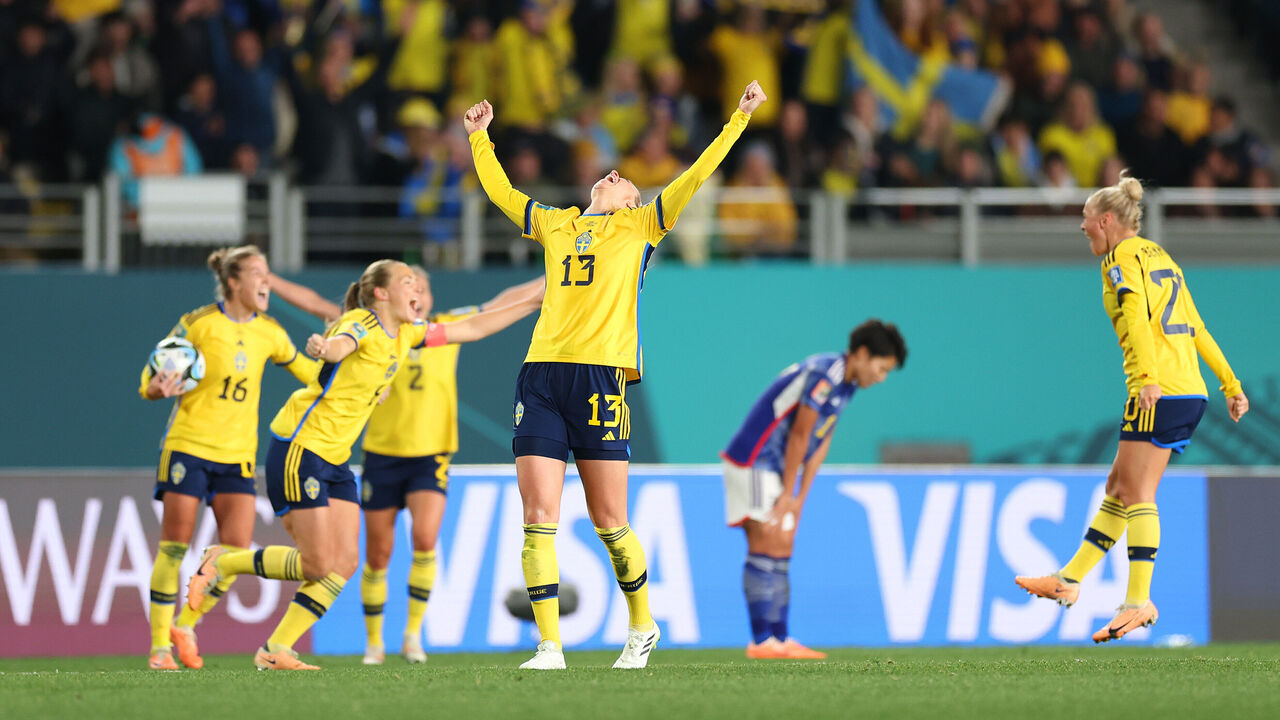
column 770, row 649
column 1128, row 618
column 1054, row 587
column 796, row 651
column 548, row 657
column 374, row 655
column 412, row 650
column 282, row 659
column 184, row 641
column 635, row 654
column 206, row 576
column 161, row 659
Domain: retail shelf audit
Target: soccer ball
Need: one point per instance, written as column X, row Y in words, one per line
column 178, row 354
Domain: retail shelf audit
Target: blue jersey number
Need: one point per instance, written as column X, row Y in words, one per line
column 1158, row 277
column 588, row 264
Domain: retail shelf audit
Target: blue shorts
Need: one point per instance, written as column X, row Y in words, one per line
column 187, row 474
column 298, row 478
column 387, row 480
column 569, row 406
column 1169, row 424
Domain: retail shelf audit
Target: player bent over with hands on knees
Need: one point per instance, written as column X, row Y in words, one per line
column 571, row 392
column 1160, row 333
column 787, row 433
column 308, row 480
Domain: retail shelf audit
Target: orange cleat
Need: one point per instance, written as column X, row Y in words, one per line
column 184, row 641
column 770, row 649
column 1053, row 587
column 796, row 651
column 206, row 576
column 281, row 659
column 161, row 659
column 1128, row 618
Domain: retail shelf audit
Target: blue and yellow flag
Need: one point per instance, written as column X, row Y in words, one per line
column 905, row 82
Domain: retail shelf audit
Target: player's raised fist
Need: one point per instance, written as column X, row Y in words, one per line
column 752, row 98
column 478, row 117
column 317, row 345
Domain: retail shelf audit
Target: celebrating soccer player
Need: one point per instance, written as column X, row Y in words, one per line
column 571, row 392
column 208, row 450
column 1160, row 332
column 407, row 448
column 308, row 480
column 786, row 435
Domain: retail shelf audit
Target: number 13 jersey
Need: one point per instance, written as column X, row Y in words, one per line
column 1162, row 344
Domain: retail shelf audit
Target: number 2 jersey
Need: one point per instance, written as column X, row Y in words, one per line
column 327, row 415
column 1162, row 332
column 595, row 263
column 818, row 382
column 420, row 416
column 218, row 419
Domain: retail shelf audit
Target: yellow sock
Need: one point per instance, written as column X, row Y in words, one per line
column 1144, row 541
column 164, row 590
column 276, row 562
column 1107, row 527
column 309, row 604
column 629, row 567
column 373, row 594
column 542, row 578
column 422, row 576
column 188, row 618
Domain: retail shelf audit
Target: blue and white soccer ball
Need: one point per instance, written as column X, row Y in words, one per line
column 175, row 354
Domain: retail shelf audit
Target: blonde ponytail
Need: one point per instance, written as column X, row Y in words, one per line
column 377, row 275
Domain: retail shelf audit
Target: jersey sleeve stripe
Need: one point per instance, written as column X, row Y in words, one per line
column 286, row 362
column 528, row 218
column 657, row 204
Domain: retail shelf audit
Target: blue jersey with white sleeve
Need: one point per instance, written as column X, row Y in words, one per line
column 817, row 381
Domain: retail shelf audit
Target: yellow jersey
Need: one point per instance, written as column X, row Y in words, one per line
column 328, row 414
column 218, row 419
column 595, row 263
column 420, row 416
column 1162, row 332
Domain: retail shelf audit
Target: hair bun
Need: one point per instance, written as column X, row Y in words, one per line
column 1131, row 187
column 215, row 260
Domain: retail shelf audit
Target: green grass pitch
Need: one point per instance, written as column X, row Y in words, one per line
column 1076, row 683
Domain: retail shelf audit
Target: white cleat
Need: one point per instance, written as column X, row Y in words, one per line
column 548, row 657
column 635, row 654
column 374, row 655
column 412, row 650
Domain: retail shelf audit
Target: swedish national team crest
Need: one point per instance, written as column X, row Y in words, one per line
column 582, row 242
column 242, row 361
column 366, row 490
column 519, row 412
column 177, row 472
column 312, row 487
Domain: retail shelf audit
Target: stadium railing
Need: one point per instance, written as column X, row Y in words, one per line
column 323, row 224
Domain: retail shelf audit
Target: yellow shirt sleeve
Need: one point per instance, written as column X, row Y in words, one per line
column 287, row 356
column 530, row 216
column 1212, row 354
column 660, row 215
column 1127, row 279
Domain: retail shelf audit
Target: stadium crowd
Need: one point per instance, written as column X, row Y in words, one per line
column 371, row 92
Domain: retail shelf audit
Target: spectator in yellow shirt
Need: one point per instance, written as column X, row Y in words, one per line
column 419, row 65
column 760, row 219
column 642, row 32
column 652, row 164
column 1083, row 140
column 1188, row 110
column 474, row 63
column 530, row 66
column 748, row 51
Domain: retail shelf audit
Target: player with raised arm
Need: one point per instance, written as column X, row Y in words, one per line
column 210, row 446
column 308, row 480
column 571, row 391
column 787, row 434
column 1160, row 332
column 408, row 444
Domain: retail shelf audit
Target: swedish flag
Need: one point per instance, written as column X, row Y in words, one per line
column 904, row 83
